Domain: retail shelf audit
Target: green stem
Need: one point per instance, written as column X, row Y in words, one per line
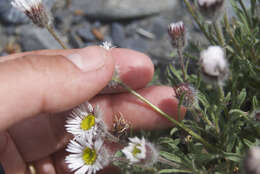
column 196, row 18
column 170, row 118
column 245, row 11
column 203, row 116
column 179, row 50
column 234, row 40
column 173, row 165
column 221, row 100
column 219, row 33
column 55, row 36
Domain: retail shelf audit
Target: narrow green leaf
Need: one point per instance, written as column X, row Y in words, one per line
column 241, row 98
column 171, row 157
column 233, row 157
column 175, row 171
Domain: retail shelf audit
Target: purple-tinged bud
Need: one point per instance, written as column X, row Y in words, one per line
column 252, row 161
column 188, row 93
column 211, row 9
column 35, row 10
column 177, row 34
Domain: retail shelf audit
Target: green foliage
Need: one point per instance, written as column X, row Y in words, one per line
column 223, row 117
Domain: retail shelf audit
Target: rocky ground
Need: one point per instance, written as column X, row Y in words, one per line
column 137, row 24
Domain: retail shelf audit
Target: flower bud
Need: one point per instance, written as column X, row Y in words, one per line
column 35, row 10
column 214, row 66
column 211, row 9
column 177, row 34
column 188, row 92
column 252, row 161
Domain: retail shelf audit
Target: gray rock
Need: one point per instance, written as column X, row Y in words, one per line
column 138, row 44
column 3, row 40
column 11, row 15
column 122, row 9
column 34, row 38
column 117, row 33
column 84, row 32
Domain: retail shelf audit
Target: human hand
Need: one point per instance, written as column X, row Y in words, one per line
column 39, row 88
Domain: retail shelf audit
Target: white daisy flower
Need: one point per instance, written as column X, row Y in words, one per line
column 140, row 151
column 135, row 151
column 35, row 10
column 107, row 45
column 86, row 158
column 86, row 121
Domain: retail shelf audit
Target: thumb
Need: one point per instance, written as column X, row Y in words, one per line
column 37, row 83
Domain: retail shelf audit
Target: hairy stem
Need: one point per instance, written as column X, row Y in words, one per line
column 179, row 50
column 196, row 18
column 219, row 33
column 170, row 118
column 55, row 36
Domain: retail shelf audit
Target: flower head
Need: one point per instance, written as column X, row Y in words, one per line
column 107, row 45
column 35, row 10
column 177, row 33
column 252, row 161
column 188, row 93
column 86, row 121
column 140, row 151
column 210, row 8
column 214, row 66
column 86, row 158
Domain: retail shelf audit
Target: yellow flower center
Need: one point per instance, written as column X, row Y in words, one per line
column 88, row 122
column 136, row 150
column 89, row 156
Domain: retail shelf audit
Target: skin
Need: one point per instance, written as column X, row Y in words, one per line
column 38, row 90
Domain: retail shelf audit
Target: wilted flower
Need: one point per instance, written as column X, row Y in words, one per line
column 86, row 121
column 252, row 161
column 140, row 151
column 35, row 10
column 188, row 93
column 214, row 66
column 211, row 9
column 120, row 126
column 86, row 158
column 177, row 34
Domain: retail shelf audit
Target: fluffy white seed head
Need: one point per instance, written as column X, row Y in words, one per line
column 252, row 161
column 214, row 66
column 211, row 9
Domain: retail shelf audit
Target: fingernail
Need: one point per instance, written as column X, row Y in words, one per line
column 89, row 61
